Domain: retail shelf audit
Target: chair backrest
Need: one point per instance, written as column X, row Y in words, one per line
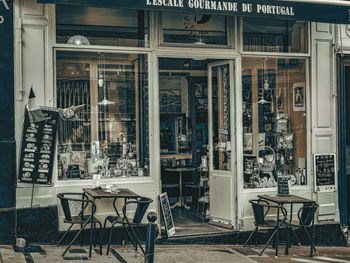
column 65, row 207
column 307, row 213
column 258, row 211
column 141, row 208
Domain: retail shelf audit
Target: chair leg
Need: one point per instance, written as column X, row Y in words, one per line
column 101, row 238
column 91, row 236
column 250, row 236
column 130, row 237
column 94, row 234
column 308, row 236
column 64, row 235
column 137, row 242
column 109, row 239
column 256, row 236
column 105, row 223
column 296, row 237
column 71, row 243
column 268, row 242
column 81, row 236
column 100, row 242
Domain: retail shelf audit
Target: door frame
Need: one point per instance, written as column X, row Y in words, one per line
column 233, row 172
column 343, row 192
column 194, row 53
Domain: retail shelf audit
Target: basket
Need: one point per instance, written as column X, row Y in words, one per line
column 268, row 164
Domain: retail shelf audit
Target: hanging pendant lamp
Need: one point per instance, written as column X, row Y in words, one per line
column 266, row 86
column 101, row 82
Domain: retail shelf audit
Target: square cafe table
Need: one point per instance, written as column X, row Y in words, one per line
column 281, row 200
column 99, row 193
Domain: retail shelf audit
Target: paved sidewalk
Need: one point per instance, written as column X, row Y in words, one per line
column 179, row 254
column 126, row 254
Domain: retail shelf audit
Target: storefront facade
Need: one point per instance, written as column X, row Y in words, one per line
column 258, row 92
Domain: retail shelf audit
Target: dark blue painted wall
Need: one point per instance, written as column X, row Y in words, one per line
column 7, row 126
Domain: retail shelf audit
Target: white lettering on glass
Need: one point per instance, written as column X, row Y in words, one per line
column 227, row 6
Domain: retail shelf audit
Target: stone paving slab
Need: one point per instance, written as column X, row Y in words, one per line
column 8, row 255
column 178, row 254
column 126, row 254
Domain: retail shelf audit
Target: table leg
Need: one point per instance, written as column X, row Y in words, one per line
column 115, row 206
column 179, row 202
column 277, row 229
column 182, row 202
column 180, row 197
column 289, row 229
column 312, row 236
column 91, row 234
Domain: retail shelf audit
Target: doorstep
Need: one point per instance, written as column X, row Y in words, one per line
column 333, row 232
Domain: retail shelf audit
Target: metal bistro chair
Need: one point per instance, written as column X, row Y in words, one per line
column 80, row 219
column 306, row 216
column 142, row 204
column 260, row 209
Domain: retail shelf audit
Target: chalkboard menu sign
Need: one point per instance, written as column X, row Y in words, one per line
column 283, row 185
column 38, row 148
column 324, row 170
column 167, row 216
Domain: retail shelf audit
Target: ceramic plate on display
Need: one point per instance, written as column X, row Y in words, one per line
column 293, row 179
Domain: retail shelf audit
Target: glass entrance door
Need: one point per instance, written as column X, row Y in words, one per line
column 221, row 142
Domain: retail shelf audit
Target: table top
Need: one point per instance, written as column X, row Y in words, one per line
column 286, row 199
column 181, row 169
column 101, row 193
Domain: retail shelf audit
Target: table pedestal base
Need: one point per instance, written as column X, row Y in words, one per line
column 180, row 204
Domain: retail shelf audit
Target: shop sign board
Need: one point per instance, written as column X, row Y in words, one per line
column 38, row 148
column 258, row 8
column 6, row 7
column 167, row 216
column 325, row 172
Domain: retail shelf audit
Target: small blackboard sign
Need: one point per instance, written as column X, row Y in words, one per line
column 324, row 170
column 283, row 185
column 74, row 171
column 38, row 148
column 167, row 216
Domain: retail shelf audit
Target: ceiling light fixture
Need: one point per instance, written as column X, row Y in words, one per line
column 78, row 40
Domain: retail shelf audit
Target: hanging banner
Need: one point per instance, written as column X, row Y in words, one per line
column 38, row 148
column 258, row 8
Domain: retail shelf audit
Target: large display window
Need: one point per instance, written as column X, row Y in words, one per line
column 101, row 26
column 274, row 120
column 103, row 102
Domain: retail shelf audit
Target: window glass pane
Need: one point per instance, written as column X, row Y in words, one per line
column 269, row 35
column 274, row 121
column 220, row 79
column 195, row 29
column 108, row 133
column 102, row 26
